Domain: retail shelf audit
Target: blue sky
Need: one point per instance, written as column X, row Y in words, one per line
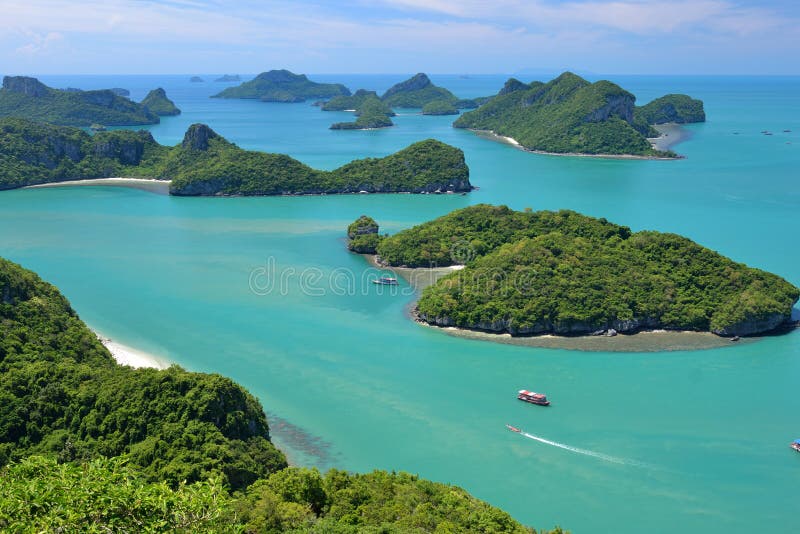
column 399, row 36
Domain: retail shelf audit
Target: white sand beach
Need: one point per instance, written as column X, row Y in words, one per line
column 146, row 184
column 488, row 134
column 126, row 355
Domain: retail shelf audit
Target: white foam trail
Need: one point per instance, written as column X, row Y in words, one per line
column 586, row 452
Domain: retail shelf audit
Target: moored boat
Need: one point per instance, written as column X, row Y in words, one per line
column 386, row 281
column 533, row 397
column 795, row 445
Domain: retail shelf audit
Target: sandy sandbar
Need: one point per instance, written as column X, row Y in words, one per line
column 145, row 184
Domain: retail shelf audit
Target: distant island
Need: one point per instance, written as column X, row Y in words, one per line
column 529, row 273
column 196, row 79
column 157, row 102
column 28, row 98
column 229, row 78
column 416, row 92
column 371, row 113
column 206, row 164
column 109, row 448
column 570, row 115
column 283, row 86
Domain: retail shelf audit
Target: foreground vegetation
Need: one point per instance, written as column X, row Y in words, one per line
column 571, row 115
column 88, row 445
column 566, row 273
column 28, row 98
column 206, row 164
column 283, row 86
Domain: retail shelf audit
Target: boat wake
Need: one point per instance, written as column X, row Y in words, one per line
column 586, row 452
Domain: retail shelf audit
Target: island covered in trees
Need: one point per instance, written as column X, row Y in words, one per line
column 569, row 115
column 157, row 102
column 530, row 273
column 28, row 98
column 90, row 445
column 283, row 86
column 205, row 163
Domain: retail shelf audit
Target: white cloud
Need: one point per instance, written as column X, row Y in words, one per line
column 39, row 43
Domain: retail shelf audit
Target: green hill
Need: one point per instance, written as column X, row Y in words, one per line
column 672, row 108
column 439, row 107
column 371, row 113
column 87, row 445
column 416, row 92
column 157, row 102
column 565, row 273
column 283, row 86
column 348, row 102
column 35, row 153
column 206, row 164
column 28, row 98
column 567, row 115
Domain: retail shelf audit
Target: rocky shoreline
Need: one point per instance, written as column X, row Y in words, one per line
column 618, row 336
column 765, row 326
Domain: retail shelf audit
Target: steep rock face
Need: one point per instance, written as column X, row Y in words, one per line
column 561, row 328
column 209, row 187
column 415, row 83
column 513, row 85
column 619, row 105
column 127, row 151
column 25, row 85
column 104, row 98
column 198, row 136
column 755, row 325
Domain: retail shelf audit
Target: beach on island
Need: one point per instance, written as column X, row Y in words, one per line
column 671, row 134
column 145, row 184
column 125, row 355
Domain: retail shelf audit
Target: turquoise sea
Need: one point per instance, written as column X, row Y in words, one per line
column 634, row 442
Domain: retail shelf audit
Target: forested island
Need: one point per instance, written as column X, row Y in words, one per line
column 283, row 86
column 92, row 446
column 569, row 115
column 28, row 98
column 529, row 273
column 416, row 92
column 157, row 102
column 371, row 112
column 205, row 163
column 229, row 78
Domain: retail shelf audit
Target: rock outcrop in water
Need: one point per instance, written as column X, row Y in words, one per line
column 157, row 102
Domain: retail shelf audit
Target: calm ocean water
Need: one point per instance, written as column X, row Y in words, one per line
column 634, row 442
